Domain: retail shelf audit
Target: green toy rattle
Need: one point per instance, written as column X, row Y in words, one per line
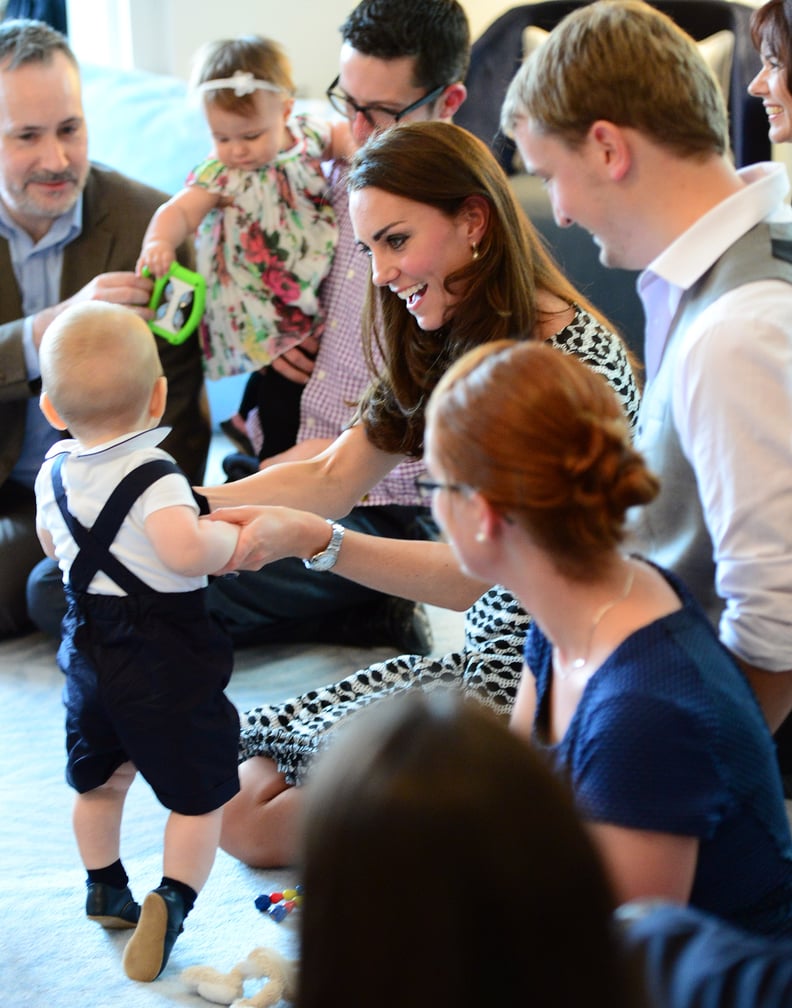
column 178, row 302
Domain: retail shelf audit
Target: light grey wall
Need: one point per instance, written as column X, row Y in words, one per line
column 162, row 35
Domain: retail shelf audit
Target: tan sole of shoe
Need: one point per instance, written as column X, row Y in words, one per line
column 143, row 954
column 111, row 923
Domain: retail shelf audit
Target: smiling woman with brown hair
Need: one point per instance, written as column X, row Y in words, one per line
column 455, row 264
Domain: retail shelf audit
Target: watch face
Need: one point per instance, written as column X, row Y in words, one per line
column 325, row 560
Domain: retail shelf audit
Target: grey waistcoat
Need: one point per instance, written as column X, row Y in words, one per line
column 672, row 530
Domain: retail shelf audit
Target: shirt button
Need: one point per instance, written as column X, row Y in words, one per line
column 350, row 274
column 310, row 423
column 320, row 375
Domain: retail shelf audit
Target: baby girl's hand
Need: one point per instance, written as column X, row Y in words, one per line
column 157, row 256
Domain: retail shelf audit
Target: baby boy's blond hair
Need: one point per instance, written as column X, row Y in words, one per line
column 99, row 371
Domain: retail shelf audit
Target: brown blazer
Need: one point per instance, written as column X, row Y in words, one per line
column 116, row 213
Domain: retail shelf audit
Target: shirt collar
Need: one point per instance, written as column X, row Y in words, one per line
column 64, row 229
column 690, row 255
column 117, row 447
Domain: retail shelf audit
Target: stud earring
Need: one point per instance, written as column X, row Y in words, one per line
column 474, row 250
column 481, row 536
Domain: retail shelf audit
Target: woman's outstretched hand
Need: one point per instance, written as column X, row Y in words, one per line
column 269, row 533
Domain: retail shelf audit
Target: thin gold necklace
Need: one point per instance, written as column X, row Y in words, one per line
column 581, row 662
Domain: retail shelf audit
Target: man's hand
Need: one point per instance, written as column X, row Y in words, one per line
column 298, row 363
column 123, row 288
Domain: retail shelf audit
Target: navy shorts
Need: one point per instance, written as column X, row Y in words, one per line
column 145, row 676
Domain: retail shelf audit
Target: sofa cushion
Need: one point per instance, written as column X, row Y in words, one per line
column 144, row 125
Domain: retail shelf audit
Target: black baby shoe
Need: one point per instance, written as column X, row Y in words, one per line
column 111, row 907
column 160, row 924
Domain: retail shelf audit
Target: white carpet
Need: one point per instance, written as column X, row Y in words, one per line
column 50, row 954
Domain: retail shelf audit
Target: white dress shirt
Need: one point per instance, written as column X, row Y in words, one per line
column 732, row 408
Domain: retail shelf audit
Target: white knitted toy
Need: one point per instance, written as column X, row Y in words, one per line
column 228, row 988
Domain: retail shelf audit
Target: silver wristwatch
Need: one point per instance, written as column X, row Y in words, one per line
column 326, row 560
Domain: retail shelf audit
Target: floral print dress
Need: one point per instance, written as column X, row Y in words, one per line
column 264, row 253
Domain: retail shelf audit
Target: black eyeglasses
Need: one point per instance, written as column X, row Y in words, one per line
column 426, row 487
column 376, row 115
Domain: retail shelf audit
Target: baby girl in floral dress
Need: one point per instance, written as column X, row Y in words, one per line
column 266, row 231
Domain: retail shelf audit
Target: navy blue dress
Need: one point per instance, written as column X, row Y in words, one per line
column 668, row 737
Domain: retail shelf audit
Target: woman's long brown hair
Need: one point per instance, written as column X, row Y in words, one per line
column 442, row 166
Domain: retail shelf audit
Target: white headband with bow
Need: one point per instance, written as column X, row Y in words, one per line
column 243, row 83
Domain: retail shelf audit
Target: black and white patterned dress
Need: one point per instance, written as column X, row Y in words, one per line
column 490, row 662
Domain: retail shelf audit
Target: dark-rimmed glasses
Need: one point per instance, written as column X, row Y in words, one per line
column 426, row 487
column 375, row 115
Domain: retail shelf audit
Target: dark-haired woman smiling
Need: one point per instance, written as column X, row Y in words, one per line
column 454, row 264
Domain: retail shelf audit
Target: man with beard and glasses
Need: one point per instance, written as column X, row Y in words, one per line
column 70, row 231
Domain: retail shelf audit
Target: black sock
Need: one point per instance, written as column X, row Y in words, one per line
column 188, row 895
column 113, row 875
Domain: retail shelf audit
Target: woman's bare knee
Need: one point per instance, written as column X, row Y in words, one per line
column 258, row 826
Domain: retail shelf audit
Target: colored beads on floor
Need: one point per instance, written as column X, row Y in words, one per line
column 278, row 905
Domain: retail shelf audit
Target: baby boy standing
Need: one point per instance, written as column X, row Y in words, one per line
column 145, row 665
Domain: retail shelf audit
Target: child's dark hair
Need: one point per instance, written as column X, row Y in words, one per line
column 445, row 866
